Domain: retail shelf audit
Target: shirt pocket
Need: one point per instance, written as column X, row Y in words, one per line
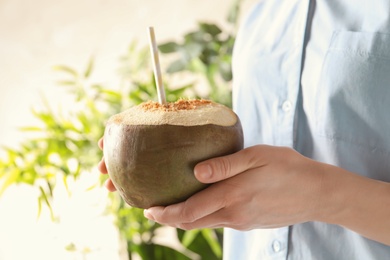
column 353, row 101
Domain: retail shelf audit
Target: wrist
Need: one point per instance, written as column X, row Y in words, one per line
column 355, row 202
column 337, row 190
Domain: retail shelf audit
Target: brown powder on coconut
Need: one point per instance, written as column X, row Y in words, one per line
column 181, row 104
column 184, row 112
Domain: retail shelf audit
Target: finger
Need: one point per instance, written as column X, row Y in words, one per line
column 110, row 185
column 102, row 166
column 224, row 167
column 237, row 218
column 196, row 207
column 100, row 143
column 214, row 220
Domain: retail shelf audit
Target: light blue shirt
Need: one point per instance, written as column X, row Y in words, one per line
column 315, row 76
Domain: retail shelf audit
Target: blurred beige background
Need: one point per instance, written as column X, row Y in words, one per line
column 35, row 36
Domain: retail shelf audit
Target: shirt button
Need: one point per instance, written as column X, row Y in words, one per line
column 276, row 246
column 286, row 106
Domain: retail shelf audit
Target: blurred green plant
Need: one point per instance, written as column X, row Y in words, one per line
column 206, row 52
column 65, row 146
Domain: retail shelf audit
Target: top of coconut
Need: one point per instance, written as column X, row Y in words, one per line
column 182, row 112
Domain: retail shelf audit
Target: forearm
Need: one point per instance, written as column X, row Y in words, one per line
column 356, row 203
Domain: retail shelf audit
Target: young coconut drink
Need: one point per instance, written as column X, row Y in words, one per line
column 151, row 149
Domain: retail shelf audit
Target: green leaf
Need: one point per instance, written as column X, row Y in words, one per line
column 84, row 120
column 168, row 47
column 65, row 182
column 111, row 96
column 175, row 94
column 31, row 129
column 197, row 36
column 189, row 237
column 225, row 70
column 11, row 178
column 192, row 50
column 234, row 12
column 47, row 118
column 71, row 247
column 50, row 188
column 212, row 29
column 135, row 96
column 66, row 69
column 46, row 200
column 199, row 245
column 148, row 89
column 93, row 186
column 160, row 252
column 39, row 207
column 213, row 242
column 176, row 66
column 197, row 66
column 89, row 68
column 72, row 83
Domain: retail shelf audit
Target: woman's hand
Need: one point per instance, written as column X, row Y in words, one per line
column 103, row 169
column 268, row 187
column 258, row 187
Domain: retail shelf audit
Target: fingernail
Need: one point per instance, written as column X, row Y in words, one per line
column 203, row 172
column 148, row 215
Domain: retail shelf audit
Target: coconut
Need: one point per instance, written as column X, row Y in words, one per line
column 151, row 150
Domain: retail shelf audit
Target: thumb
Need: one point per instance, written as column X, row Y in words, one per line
column 221, row 168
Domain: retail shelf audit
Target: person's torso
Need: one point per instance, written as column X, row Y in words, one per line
column 315, row 76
